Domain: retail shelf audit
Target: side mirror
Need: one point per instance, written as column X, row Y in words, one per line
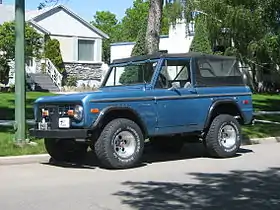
column 174, row 86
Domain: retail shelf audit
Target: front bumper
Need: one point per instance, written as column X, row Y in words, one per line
column 61, row 133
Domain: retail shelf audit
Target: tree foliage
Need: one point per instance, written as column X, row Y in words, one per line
column 33, row 40
column 201, row 41
column 131, row 73
column 136, row 16
column 52, row 52
column 33, row 45
column 108, row 23
column 246, row 29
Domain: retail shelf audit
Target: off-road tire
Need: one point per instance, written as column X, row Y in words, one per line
column 212, row 139
column 66, row 150
column 168, row 144
column 104, row 146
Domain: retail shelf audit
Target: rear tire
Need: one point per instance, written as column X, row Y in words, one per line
column 120, row 144
column 65, row 149
column 224, row 137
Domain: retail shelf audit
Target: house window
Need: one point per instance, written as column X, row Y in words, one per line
column 86, row 50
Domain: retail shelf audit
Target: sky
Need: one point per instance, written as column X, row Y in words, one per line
column 85, row 8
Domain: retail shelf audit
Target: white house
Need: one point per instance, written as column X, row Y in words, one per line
column 80, row 42
column 178, row 40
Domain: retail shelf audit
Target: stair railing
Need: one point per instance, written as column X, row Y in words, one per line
column 54, row 74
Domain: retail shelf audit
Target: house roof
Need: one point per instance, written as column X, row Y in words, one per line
column 7, row 14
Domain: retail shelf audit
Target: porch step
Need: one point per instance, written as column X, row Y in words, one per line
column 43, row 82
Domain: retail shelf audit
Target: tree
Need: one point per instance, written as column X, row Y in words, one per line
column 154, row 26
column 136, row 16
column 131, row 73
column 246, row 29
column 201, row 41
column 52, row 52
column 108, row 23
column 45, row 3
column 33, row 45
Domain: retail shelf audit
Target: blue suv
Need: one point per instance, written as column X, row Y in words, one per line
column 167, row 99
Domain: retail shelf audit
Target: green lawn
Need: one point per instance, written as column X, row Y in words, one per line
column 261, row 102
column 264, row 102
column 7, row 106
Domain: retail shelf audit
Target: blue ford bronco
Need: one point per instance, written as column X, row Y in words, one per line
column 168, row 99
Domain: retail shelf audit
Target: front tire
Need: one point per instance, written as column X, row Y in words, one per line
column 224, row 137
column 120, row 144
column 65, row 149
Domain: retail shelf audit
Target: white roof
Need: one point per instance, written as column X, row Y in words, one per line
column 7, row 13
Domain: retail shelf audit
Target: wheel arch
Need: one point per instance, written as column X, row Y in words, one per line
column 223, row 106
column 110, row 113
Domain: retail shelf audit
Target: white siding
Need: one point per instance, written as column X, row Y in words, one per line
column 68, row 31
column 120, row 50
column 67, row 47
column 61, row 23
column 175, row 42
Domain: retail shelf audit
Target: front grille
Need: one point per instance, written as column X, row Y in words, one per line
column 55, row 112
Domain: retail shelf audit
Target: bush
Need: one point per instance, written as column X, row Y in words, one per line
column 71, row 81
column 201, row 41
column 52, row 52
column 131, row 73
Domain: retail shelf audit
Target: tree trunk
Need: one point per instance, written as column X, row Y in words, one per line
column 154, row 26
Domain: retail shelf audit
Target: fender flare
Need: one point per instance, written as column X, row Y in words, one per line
column 107, row 110
column 217, row 103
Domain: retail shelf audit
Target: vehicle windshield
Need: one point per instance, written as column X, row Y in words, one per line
column 131, row 74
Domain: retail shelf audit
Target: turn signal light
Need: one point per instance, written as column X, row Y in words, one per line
column 45, row 113
column 94, row 111
column 70, row 112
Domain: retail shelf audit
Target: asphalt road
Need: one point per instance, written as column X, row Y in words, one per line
column 248, row 181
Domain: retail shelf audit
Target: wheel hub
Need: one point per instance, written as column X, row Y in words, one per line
column 228, row 136
column 124, row 144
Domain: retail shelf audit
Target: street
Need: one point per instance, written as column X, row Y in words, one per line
column 248, row 181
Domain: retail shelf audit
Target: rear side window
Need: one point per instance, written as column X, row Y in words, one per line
column 218, row 72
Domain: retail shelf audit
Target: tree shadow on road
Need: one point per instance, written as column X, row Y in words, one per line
column 237, row 190
column 150, row 156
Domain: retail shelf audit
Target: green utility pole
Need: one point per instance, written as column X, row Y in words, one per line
column 20, row 72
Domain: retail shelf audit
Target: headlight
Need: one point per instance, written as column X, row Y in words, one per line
column 78, row 112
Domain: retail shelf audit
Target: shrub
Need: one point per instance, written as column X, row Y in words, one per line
column 201, row 41
column 131, row 73
column 71, row 81
column 52, row 52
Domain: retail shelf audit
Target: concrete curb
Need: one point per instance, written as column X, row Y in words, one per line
column 24, row 159
column 268, row 140
column 28, row 159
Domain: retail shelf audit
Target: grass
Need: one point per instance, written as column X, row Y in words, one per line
column 261, row 102
column 264, row 102
column 7, row 106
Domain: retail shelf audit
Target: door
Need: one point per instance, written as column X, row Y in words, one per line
column 176, row 99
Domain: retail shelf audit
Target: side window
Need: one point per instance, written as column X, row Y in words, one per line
column 217, row 71
column 174, row 72
column 217, row 67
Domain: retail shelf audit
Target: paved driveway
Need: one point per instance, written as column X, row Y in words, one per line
column 249, row 181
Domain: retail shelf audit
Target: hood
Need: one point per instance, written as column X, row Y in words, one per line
column 98, row 94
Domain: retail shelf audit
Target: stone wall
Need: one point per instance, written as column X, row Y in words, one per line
column 86, row 73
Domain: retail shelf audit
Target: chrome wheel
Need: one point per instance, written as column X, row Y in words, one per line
column 228, row 136
column 124, row 144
